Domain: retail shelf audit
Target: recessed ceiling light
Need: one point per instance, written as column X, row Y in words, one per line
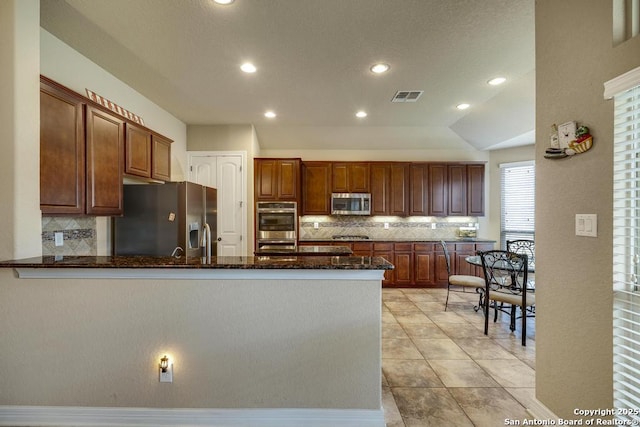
column 380, row 68
column 462, row 106
column 248, row 67
column 497, row 81
column 223, row 1
column 361, row 114
column 270, row 114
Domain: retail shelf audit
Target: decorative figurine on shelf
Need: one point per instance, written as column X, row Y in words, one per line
column 568, row 141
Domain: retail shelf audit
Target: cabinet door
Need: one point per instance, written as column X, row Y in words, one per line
column 403, row 262
column 62, row 151
column 438, row 191
column 380, row 188
column 316, row 188
column 266, row 179
column 288, row 179
column 385, row 250
column 419, row 186
column 475, row 190
column 105, row 151
column 340, row 178
column 424, row 264
column 161, row 158
column 137, row 152
column 362, row 248
column 398, row 189
column 441, row 276
column 359, row 177
column 457, row 190
column 462, row 251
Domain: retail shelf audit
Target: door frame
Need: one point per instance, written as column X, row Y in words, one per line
column 245, row 195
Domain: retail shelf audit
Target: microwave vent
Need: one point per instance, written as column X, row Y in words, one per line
column 407, row 95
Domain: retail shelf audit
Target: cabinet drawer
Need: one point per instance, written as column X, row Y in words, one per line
column 361, row 247
column 403, row 247
column 423, row 247
column 382, row 247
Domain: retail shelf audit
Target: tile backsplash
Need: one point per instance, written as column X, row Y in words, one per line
column 78, row 233
column 374, row 227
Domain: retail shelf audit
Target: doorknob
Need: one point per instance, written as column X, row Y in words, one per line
column 219, row 239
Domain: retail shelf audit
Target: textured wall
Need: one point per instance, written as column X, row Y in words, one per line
column 235, row 343
column 574, row 57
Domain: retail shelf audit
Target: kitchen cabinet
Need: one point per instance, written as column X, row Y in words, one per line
column 137, row 151
column 419, row 189
column 437, row 190
column 316, row 188
column 475, row 190
column 62, row 151
column 424, row 260
column 385, row 250
column 404, row 265
column 160, row 158
column 277, row 179
column 455, row 189
column 105, row 153
column 389, row 188
column 350, row 177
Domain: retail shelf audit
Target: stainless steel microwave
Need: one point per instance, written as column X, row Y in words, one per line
column 351, row 204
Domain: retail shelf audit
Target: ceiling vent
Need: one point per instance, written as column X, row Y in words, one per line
column 407, row 95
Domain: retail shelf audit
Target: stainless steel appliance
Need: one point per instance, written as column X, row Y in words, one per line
column 276, row 225
column 167, row 219
column 351, row 204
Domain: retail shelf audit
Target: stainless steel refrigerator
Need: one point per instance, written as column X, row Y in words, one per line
column 160, row 218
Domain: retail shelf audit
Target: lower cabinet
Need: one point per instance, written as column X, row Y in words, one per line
column 417, row 264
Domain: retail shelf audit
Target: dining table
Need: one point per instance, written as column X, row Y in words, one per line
column 475, row 260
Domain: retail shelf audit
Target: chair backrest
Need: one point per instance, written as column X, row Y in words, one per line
column 504, row 271
column 446, row 255
column 523, row 246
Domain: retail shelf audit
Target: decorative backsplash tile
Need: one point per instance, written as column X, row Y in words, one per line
column 79, row 236
column 374, row 227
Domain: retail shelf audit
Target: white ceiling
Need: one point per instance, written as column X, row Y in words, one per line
column 313, row 59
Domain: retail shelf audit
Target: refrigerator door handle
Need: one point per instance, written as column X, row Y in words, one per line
column 205, row 244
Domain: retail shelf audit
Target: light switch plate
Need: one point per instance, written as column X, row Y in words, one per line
column 587, row 225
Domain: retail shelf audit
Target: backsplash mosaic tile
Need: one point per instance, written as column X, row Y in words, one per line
column 79, row 236
column 375, row 227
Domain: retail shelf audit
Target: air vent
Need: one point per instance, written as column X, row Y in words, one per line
column 407, row 95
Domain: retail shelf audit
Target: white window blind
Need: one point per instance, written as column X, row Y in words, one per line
column 626, row 252
column 517, row 212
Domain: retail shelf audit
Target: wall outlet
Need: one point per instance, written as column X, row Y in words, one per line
column 167, row 377
column 433, row 225
column 386, row 225
column 316, row 225
column 58, row 238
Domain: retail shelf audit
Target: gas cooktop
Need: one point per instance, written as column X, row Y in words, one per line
column 349, row 237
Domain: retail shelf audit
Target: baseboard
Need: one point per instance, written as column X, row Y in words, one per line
column 60, row 416
column 540, row 412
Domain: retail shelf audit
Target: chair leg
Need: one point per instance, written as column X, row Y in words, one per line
column 485, row 308
column 446, row 303
column 524, row 326
column 512, row 323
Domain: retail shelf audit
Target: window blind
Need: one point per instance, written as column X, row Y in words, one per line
column 626, row 253
column 517, row 216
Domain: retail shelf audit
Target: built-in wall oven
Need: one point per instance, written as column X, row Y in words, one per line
column 276, row 225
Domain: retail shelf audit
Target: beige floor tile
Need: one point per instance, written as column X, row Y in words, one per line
column 429, row 407
column 410, row 373
column 388, row 317
column 430, row 306
column 440, row 349
column 399, row 349
column 401, row 306
column 446, row 317
column 392, row 417
column 510, row 373
column 513, row 344
column 462, row 373
column 483, row 348
column 458, row 330
column 412, row 317
column 526, row 396
column 417, row 330
column 489, row 407
column 423, row 297
column 393, row 331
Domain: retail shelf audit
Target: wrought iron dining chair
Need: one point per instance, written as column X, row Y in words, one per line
column 461, row 282
column 505, row 275
column 527, row 247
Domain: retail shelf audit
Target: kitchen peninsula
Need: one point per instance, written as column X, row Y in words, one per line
column 252, row 339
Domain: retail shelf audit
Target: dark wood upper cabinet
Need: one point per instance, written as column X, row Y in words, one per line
column 438, row 190
column 419, row 187
column 160, row 158
column 137, row 151
column 389, row 188
column 105, row 152
column 457, row 190
column 350, row 177
column 277, row 179
column 62, row 151
column 475, row 190
column 316, row 188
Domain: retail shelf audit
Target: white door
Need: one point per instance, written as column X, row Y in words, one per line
column 224, row 172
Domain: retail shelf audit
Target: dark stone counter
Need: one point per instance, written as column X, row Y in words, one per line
column 289, row 262
column 307, row 251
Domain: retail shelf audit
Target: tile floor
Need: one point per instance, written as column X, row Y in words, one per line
column 439, row 369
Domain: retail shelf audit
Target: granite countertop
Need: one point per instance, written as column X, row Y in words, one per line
column 307, row 251
column 305, row 262
column 416, row 240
